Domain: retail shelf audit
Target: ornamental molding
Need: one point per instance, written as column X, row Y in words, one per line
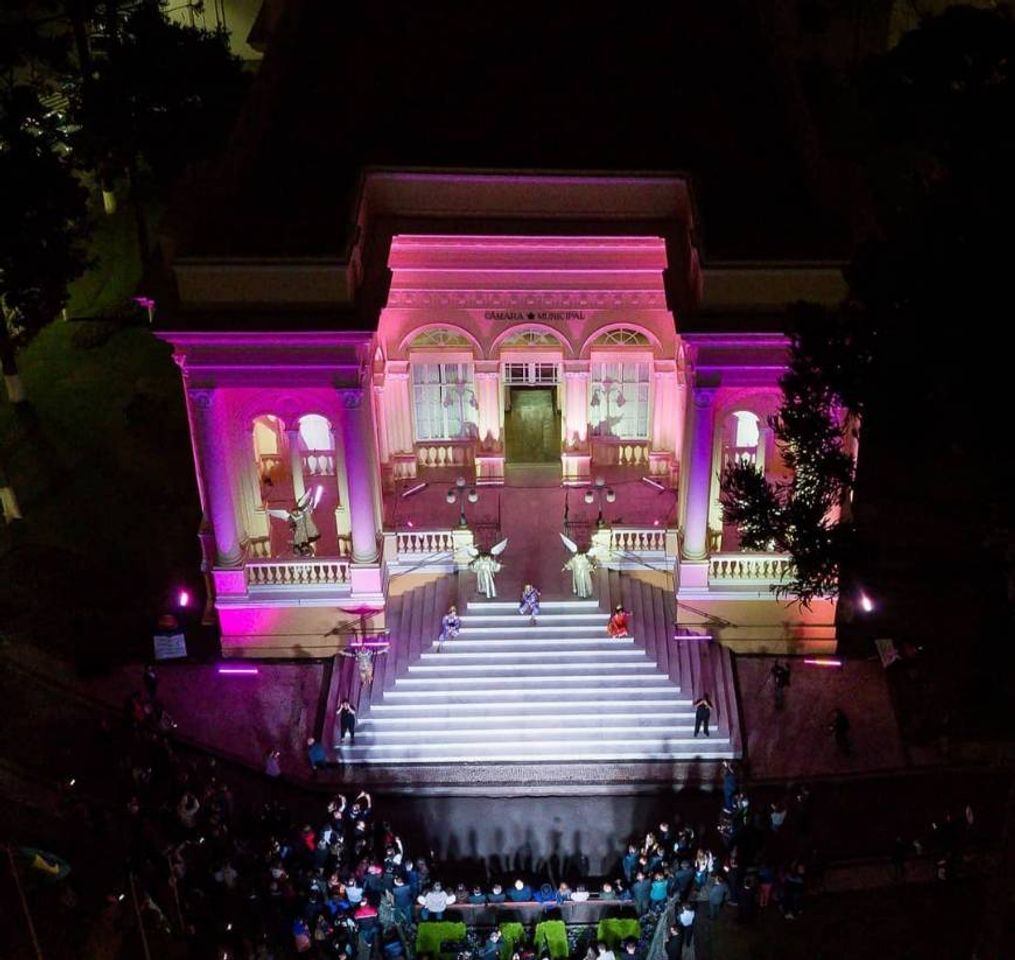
column 543, row 299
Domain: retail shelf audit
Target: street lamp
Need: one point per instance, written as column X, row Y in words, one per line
column 599, row 489
column 458, row 494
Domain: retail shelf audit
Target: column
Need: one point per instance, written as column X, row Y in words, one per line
column 211, row 441
column 699, row 477
column 664, row 408
column 487, row 376
column 398, row 409
column 357, row 443
column 292, row 439
column 576, row 406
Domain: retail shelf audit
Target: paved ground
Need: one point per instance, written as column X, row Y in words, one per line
column 796, row 742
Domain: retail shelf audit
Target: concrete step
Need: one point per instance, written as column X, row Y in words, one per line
column 522, row 627
column 525, row 678
column 533, row 706
column 559, row 645
column 547, row 606
column 508, row 619
column 530, row 657
column 472, row 690
column 665, row 714
column 507, row 667
column 564, row 731
column 543, row 750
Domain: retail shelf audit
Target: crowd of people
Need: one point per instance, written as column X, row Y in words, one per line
column 257, row 882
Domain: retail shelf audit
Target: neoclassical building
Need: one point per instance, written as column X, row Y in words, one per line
column 477, row 322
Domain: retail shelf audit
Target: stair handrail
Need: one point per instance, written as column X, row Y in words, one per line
column 432, row 558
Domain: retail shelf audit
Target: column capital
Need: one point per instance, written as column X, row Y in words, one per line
column 487, row 375
column 704, row 397
column 352, row 398
column 201, row 397
column 576, row 374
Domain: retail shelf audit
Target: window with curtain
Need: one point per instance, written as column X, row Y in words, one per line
column 618, row 400
column 444, row 401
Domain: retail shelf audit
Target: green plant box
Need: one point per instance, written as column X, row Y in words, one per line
column 616, row 931
column 511, row 933
column 551, row 935
column 431, row 934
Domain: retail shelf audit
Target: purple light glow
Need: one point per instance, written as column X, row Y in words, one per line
column 238, row 671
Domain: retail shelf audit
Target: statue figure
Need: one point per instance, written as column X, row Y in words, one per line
column 302, row 528
column 451, row 623
column 364, row 654
column 529, row 603
column 486, row 566
column 581, row 566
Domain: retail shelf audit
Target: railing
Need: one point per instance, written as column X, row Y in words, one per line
column 258, row 547
column 420, row 543
column 749, row 568
column 297, row 573
column 319, row 463
column 612, row 452
column 735, row 455
column 638, row 540
column 444, row 454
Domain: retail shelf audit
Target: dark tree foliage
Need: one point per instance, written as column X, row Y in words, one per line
column 801, row 516
column 42, row 210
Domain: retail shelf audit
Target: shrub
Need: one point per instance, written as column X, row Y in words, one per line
column 511, row 932
column 551, row 935
column 432, row 935
column 616, row 931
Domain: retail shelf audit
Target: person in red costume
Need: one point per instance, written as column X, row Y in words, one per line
column 618, row 622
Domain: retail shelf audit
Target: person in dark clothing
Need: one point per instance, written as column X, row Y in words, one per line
column 780, row 681
column 521, row 892
column 497, row 894
column 747, row 901
column 840, row 730
column 675, row 943
column 729, row 785
column 640, row 891
column 151, row 681
column 316, row 755
column 346, row 721
column 702, row 714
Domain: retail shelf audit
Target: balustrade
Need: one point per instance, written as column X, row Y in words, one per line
column 444, row 454
column 297, row 573
column 749, row 568
column 734, row 455
column 423, row 543
column 319, row 463
column 638, row 541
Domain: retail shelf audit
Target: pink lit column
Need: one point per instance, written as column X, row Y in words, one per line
column 213, row 460
column 699, row 477
column 576, row 406
column 488, row 397
column 358, row 467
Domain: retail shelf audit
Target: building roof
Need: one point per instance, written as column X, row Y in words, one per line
column 346, row 86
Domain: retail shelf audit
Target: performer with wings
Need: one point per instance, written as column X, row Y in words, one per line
column 486, row 566
column 581, row 566
column 302, row 528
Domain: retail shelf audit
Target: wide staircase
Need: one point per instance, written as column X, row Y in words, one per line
column 505, row 691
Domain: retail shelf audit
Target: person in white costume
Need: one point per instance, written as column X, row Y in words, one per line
column 581, row 566
column 486, row 566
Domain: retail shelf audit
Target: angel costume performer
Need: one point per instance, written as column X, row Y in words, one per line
column 581, row 566
column 529, row 604
column 486, row 566
column 302, row 528
column 617, row 625
column 365, row 660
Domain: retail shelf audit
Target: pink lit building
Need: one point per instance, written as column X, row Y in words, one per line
column 491, row 327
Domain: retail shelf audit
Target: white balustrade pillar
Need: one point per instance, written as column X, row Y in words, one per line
column 699, row 476
column 211, row 438
column 292, row 437
column 358, row 445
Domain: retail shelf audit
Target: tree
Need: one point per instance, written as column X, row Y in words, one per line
column 803, row 517
column 42, row 209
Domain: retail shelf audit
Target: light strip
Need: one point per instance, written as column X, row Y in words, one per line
column 823, row 662
column 246, row 671
column 693, row 636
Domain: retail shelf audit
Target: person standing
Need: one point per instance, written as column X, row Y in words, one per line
column 702, row 714
column 316, row 755
column 718, row 894
column 272, row 768
column 686, row 920
column 151, row 680
column 780, row 681
column 529, row 603
column 346, row 721
column 840, row 730
column 729, row 785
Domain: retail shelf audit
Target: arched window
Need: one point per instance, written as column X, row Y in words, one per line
column 747, row 432
column 267, row 441
column 444, row 401
column 622, row 337
column 531, row 337
column 439, row 337
column 318, row 446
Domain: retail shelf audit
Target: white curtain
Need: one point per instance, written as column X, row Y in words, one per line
column 618, row 400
